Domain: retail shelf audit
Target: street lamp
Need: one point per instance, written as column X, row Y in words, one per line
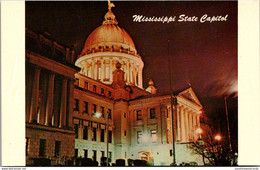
column 201, row 142
column 218, row 137
column 199, row 131
column 98, row 115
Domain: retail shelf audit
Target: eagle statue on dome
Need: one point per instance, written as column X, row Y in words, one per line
column 110, row 5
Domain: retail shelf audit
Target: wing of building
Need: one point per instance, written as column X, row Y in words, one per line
column 63, row 100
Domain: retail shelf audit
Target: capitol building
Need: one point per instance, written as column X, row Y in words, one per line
column 65, row 92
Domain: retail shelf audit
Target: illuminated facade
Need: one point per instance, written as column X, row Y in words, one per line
column 49, row 92
column 110, row 81
column 62, row 100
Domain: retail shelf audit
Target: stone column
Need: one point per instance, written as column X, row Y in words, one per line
column 140, row 80
column 186, row 125
column 134, row 74
column 89, row 69
column 183, row 127
column 178, row 124
column 63, row 105
column 111, row 70
column 35, row 95
column 102, row 69
column 93, row 69
column 44, row 96
column 69, row 116
column 49, row 105
column 29, row 83
column 190, row 125
column 198, row 120
column 128, row 71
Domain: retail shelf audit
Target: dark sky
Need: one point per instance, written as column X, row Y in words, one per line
column 203, row 54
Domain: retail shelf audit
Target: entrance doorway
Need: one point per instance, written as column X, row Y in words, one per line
column 144, row 155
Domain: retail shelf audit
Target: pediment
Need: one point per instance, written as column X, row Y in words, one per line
column 190, row 95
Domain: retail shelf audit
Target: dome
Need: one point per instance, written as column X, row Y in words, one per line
column 109, row 48
column 109, row 35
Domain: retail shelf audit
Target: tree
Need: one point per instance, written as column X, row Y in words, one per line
column 214, row 148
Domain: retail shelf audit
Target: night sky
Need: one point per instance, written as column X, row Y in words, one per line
column 203, row 54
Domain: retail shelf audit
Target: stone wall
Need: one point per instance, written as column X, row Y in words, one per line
column 34, row 133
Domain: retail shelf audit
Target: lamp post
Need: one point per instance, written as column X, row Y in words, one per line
column 98, row 115
column 229, row 139
column 199, row 132
column 173, row 102
column 201, row 143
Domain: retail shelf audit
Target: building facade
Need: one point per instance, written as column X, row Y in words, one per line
column 49, row 92
column 140, row 125
column 62, row 101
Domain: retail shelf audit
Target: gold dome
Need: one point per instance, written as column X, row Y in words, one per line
column 109, row 35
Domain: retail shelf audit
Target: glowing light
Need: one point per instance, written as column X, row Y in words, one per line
column 218, row 137
column 98, row 114
column 200, row 112
column 199, row 131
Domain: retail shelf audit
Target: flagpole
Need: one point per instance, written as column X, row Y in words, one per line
column 172, row 103
column 229, row 139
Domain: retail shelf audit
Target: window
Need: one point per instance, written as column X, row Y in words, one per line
column 94, row 88
column 86, row 85
column 76, row 153
column 154, row 136
column 86, row 107
column 124, row 115
column 109, row 114
column 76, row 129
column 139, row 137
column 85, row 133
column 109, row 136
column 57, row 148
column 152, row 113
column 171, row 152
column 94, row 134
column 102, row 91
column 125, row 133
column 76, row 82
column 94, row 108
column 102, row 111
column 139, row 115
column 109, row 93
column 27, row 140
column 102, row 135
column 42, row 147
column 85, row 153
column 76, row 105
column 102, row 154
column 94, row 155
